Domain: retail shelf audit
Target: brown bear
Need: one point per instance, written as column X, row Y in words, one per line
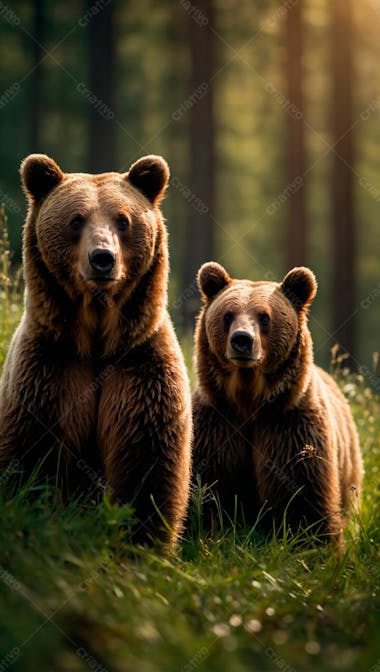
column 272, row 431
column 94, row 388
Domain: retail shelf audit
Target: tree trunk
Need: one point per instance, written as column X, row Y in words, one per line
column 342, row 183
column 39, row 34
column 200, row 196
column 295, row 142
column 102, row 126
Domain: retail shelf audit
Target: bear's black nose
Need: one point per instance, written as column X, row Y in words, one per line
column 102, row 260
column 241, row 342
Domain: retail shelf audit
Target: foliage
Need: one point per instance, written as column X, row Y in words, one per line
column 10, row 289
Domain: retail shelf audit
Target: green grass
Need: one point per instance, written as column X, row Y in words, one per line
column 75, row 596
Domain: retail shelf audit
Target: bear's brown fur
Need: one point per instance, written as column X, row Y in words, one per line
column 94, row 387
column 271, row 430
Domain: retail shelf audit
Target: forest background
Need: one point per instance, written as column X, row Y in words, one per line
column 267, row 113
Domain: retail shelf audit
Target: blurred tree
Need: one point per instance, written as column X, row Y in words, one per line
column 342, row 182
column 199, row 236
column 295, row 142
column 102, row 126
column 37, row 103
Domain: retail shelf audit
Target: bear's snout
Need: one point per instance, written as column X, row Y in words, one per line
column 241, row 343
column 102, row 260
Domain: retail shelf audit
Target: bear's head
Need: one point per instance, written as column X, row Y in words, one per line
column 257, row 327
column 94, row 239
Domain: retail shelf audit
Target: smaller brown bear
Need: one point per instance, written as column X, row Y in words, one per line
column 272, row 431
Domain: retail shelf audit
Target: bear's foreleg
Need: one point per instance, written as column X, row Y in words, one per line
column 297, row 474
column 144, row 436
column 222, row 474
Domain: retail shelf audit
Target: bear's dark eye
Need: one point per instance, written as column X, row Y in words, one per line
column 77, row 223
column 264, row 320
column 122, row 223
column 228, row 317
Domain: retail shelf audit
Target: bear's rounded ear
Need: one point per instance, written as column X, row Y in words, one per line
column 150, row 175
column 212, row 277
column 300, row 287
column 39, row 175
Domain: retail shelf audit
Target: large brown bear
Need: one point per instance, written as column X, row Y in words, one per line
column 272, row 431
column 94, row 388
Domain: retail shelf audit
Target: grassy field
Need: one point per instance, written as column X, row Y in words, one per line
column 75, row 597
